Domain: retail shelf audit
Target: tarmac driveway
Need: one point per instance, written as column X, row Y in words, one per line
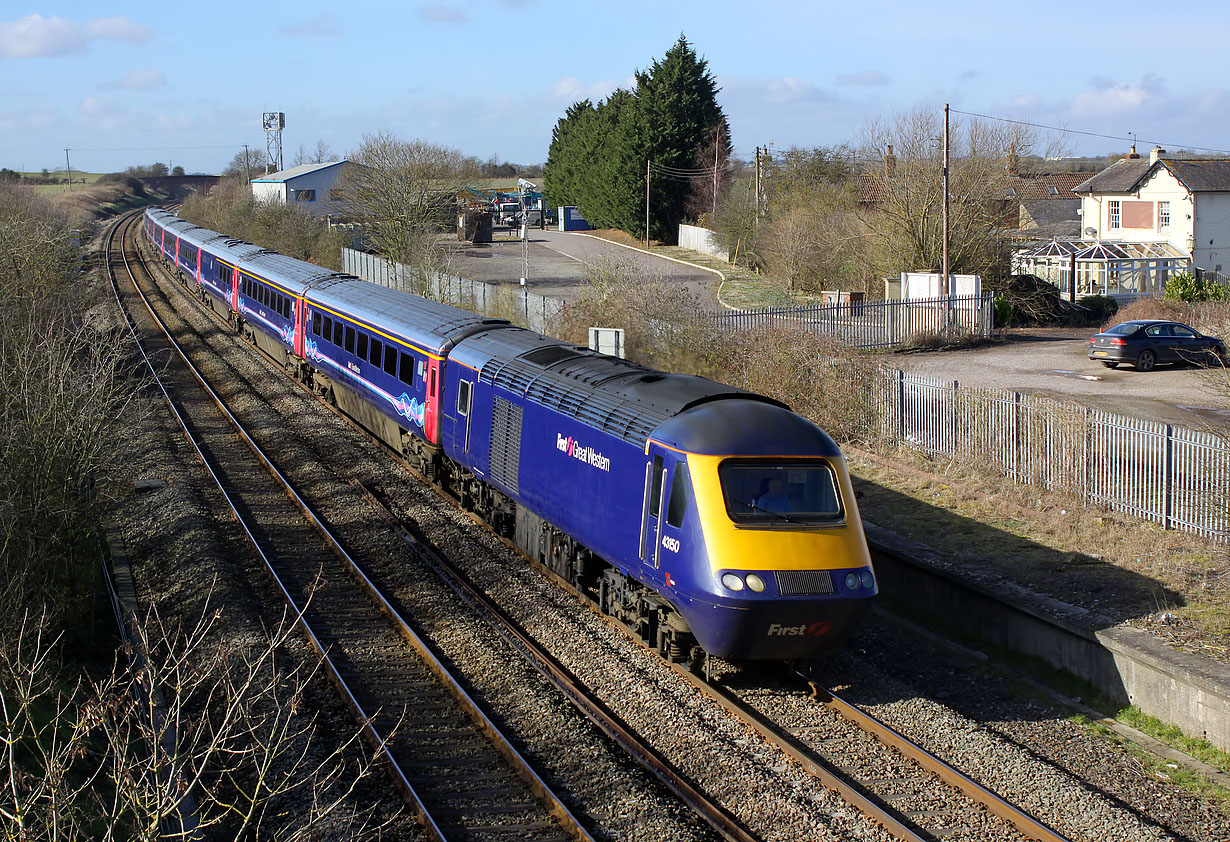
column 558, row 262
column 1052, row 361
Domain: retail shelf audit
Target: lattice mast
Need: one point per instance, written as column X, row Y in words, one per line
column 273, row 123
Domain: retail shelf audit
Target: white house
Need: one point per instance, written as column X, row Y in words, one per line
column 1182, row 202
column 313, row 186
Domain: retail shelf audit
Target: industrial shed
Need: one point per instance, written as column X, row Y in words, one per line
column 313, row 186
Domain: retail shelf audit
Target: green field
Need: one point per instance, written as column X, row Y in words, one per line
column 49, row 189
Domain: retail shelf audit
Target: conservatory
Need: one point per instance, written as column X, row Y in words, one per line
column 1103, row 268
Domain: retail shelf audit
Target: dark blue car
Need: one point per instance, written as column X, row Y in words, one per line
column 1146, row 342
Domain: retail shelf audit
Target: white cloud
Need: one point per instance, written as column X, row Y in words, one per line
column 137, row 80
column 36, row 36
column 322, row 26
column 1108, row 97
column 572, row 89
column 442, row 14
column 867, row 78
column 790, row 90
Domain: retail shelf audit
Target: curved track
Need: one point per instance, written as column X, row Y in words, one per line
column 462, row 776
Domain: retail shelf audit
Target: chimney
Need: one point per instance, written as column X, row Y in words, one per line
column 1155, row 153
column 1013, row 162
column 890, row 163
column 1132, row 156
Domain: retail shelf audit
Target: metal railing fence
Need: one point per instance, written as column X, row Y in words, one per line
column 1159, row 472
column 512, row 302
column 875, row 324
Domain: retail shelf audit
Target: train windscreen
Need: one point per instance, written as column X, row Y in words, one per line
column 776, row 493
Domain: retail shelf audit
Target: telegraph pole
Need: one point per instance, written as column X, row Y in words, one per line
column 646, row 204
column 68, row 166
column 947, row 288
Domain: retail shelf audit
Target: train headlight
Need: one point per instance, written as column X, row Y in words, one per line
column 868, row 579
column 852, row 581
column 732, row 582
column 755, row 583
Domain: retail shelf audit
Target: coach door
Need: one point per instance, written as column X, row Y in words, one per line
column 656, row 476
column 431, row 399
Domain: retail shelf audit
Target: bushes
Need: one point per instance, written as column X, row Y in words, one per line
column 1100, row 307
column 62, row 385
column 818, row 377
column 1187, row 287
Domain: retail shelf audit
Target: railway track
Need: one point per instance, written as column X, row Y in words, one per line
column 459, row 772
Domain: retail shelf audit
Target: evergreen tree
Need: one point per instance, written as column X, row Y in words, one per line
column 598, row 155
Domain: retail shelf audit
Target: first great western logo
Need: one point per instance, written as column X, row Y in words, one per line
column 589, row 455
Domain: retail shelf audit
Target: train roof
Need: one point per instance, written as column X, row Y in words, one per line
column 295, row 275
column 745, row 428
column 431, row 325
column 622, row 398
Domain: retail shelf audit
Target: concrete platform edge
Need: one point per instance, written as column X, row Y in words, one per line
column 1126, row 664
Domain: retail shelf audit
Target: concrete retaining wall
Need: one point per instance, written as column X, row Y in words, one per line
column 1126, row 664
column 702, row 240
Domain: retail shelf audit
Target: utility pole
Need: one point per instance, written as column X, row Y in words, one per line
column 757, row 180
column 947, row 288
column 717, row 145
column 247, row 164
column 68, row 166
column 646, row 204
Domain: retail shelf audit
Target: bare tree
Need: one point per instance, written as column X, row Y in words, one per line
column 404, row 193
column 322, row 154
column 191, row 734
column 247, row 164
column 905, row 218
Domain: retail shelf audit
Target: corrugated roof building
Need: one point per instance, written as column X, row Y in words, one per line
column 311, row 186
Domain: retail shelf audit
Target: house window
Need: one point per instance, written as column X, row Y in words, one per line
column 1112, row 214
column 1163, row 216
column 305, row 195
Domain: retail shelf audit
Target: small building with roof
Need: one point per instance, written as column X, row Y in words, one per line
column 1141, row 221
column 1183, row 202
column 311, row 186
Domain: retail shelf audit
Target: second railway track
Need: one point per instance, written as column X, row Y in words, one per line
column 461, row 774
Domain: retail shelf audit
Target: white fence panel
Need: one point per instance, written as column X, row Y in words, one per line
column 1177, row 477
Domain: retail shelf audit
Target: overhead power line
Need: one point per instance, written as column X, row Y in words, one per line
column 152, row 148
column 1131, row 139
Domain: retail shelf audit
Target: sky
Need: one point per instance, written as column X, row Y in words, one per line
column 186, row 83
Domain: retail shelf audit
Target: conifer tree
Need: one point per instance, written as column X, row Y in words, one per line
column 598, row 155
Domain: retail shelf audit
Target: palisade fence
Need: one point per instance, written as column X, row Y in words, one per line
column 875, row 324
column 1160, row 472
column 504, row 300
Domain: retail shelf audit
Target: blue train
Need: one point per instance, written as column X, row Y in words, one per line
column 707, row 518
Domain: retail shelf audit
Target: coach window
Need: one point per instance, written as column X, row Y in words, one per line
column 337, row 333
column 361, row 350
column 285, row 308
column 681, row 491
column 655, row 487
column 406, row 372
column 390, row 360
column 316, row 323
column 377, row 351
column 349, row 339
column 327, row 335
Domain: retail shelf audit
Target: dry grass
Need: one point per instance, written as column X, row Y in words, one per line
column 1117, row 567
